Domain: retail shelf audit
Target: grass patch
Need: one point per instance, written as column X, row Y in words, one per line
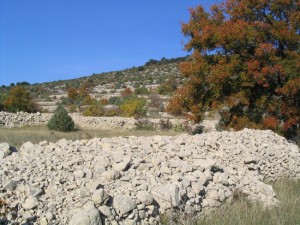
column 243, row 212
column 35, row 134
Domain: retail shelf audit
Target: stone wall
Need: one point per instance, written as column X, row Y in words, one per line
column 132, row 180
column 20, row 119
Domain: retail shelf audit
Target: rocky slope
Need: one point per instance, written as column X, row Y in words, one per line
column 132, row 180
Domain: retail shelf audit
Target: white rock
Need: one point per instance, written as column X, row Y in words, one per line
column 100, row 196
column 123, row 204
column 5, row 150
column 89, row 215
column 167, row 196
column 30, row 203
column 144, row 197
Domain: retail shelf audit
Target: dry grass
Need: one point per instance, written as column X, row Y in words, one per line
column 243, row 212
column 35, row 134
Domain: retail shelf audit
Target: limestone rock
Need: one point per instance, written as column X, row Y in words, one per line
column 11, row 185
column 30, row 203
column 100, row 196
column 89, row 215
column 144, row 197
column 167, row 196
column 5, row 150
column 123, row 204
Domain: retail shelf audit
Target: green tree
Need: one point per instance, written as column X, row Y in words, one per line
column 61, row 121
column 246, row 56
column 19, row 99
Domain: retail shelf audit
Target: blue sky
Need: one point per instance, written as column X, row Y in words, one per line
column 48, row 40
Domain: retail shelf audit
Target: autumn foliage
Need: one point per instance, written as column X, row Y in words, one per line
column 19, row 99
column 246, row 58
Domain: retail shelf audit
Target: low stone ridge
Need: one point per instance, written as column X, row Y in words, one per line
column 20, row 119
column 132, row 180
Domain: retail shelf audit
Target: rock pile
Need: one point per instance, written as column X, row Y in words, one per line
column 132, row 180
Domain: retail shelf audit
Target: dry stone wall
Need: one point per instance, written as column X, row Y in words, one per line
column 132, row 180
column 20, row 119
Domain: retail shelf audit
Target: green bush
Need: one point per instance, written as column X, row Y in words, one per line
column 141, row 91
column 115, row 100
column 199, row 129
column 179, row 127
column 133, row 106
column 96, row 109
column 60, row 120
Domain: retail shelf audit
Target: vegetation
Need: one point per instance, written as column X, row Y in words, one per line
column 245, row 57
column 167, row 87
column 61, row 121
column 127, row 92
column 19, row 99
column 141, row 91
column 95, row 109
column 133, row 106
column 17, row 136
column 243, row 212
column 156, row 102
column 144, row 124
column 135, row 76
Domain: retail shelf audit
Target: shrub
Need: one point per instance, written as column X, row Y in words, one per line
column 141, row 91
column 165, row 124
column 96, row 109
column 167, row 87
column 133, row 106
column 156, row 102
column 178, row 127
column 115, row 100
column 73, row 94
column 144, row 124
column 141, row 68
column 61, row 121
column 19, row 99
column 72, row 108
column 87, row 100
column 174, row 106
column 126, row 92
column 104, row 101
column 197, row 130
column 112, row 112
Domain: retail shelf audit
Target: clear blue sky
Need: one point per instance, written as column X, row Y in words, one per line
column 48, row 40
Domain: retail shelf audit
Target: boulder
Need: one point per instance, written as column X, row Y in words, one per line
column 123, row 204
column 145, row 197
column 100, row 196
column 5, row 150
column 30, row 203
column 167, row 196
column 89, row 215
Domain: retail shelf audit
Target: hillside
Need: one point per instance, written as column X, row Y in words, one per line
column 109, row 84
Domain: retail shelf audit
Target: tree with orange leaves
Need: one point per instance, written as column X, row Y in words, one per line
column 19, row 99
column 245, row 61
